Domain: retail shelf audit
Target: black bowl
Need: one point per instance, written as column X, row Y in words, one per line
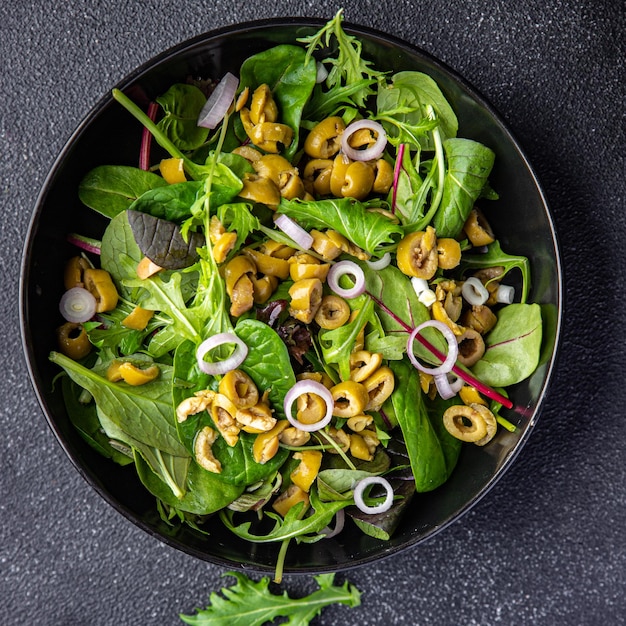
column 109, row 135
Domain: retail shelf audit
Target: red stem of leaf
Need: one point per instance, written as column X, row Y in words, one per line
column 466, row 376
column 146, row 139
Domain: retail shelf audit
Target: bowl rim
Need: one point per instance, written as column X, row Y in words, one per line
column 104, row 101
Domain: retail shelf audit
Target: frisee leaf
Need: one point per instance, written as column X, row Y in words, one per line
column 250, row 603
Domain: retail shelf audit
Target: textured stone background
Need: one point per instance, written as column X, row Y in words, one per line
column 547, row 544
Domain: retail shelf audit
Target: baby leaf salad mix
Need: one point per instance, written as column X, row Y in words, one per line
column 298, row 311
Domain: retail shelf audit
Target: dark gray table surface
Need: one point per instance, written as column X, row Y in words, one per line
column 547, row 544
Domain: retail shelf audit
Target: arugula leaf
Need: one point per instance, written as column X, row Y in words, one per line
column 469, row 166
column 495, row 257
column 182, row 105
column 348, row 68
column 337, row 345
column 291, row 527
column 512, row 347
column 366, row 229
column 249, row 603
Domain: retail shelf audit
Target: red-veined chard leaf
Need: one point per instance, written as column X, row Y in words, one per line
column 513, row 346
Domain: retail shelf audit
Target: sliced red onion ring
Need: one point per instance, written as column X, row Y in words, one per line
column 453, row 348
column 381, row 263
column 366, row 482
column 369, row 153
column 299, row 389
column 219, row 101
column 505, row 294
column 294, row 230
column 221, row 367
column 445, row 387
column 340, row 518
column 474, row 292
column 77, row 305
column 340, row 269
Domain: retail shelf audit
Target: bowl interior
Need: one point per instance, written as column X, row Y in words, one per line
column 109, row 135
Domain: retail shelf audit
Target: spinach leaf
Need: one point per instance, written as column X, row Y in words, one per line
column 238, row 464
column 205, row 492
column 111, row 189
column 119, row 253
column 84, row 418
column 402, row 107
column 268, row 362
column 182, row 105
column 512, row 347
column 172, row 202
column 290, row 76
column 469, row 166
column 496, row 257
column 430, row 465
column 366, row 229
column 145, row 413
column 171, row 469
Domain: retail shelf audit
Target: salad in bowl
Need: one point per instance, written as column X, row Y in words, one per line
column 295, row 315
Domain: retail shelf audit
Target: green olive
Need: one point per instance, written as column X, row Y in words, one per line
column 333, row 312
column 383, row 176
column 239, row 388
column 282, row 173
column 73, row 341
column 306, row 297
column 417, row 254
column 477, row 229
column 350, row 398
column 324, row 140
column 317, row 174
column 263, row 108
column 266, row 264
column 258, row 189
column 303, row 265
column 358, row 181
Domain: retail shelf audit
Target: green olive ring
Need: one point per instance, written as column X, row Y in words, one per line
column 455, row 421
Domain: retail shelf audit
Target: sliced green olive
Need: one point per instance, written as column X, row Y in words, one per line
column 306, row 297
column 379, row 387
column 471, row 347
column 263, row 107
column 417, row 254
column 477, row 229
column 333, row 312
column 324, row 140
column 239, row 388
column 350, row 398
column 73, row 341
